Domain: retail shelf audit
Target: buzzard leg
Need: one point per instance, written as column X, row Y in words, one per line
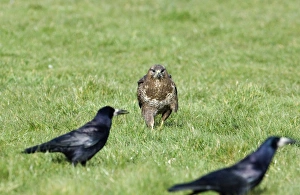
column 164, row 117
column 149, row 117
column 161, row 124
column 150, row 121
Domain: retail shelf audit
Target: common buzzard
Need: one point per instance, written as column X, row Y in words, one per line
column 157, row 94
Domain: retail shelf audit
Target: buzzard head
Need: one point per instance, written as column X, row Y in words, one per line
column 157, row 72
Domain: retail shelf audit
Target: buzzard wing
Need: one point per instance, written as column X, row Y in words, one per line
column 175, row 96
column 141, row 81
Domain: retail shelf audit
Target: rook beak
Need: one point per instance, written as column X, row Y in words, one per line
column 119, row 111
column 284, row 141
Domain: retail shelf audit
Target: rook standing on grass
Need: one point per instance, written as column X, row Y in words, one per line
column 241, row 177
column 82, row 144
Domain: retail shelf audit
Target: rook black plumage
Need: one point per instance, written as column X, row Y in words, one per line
column 241, row 177
column 82, row 144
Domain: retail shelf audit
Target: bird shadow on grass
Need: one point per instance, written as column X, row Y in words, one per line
column 170, row 124
column 60, row 159
column 63, row 160
column 257, row 191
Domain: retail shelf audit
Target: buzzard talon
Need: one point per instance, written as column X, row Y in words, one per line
column 161, row 124
column 157, row 94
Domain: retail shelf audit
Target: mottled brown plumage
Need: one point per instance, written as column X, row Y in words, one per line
column 157, row 94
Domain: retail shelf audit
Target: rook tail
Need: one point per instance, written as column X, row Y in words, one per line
column 188, row 186
column 180, row 187
column 31, row 149
column 40, row 148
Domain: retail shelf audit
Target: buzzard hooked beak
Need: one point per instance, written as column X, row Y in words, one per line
column 158, row 74
column 118, row 112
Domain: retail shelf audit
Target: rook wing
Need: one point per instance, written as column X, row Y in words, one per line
column 78, row 138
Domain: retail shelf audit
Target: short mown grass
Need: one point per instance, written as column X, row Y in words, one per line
column 236, row 66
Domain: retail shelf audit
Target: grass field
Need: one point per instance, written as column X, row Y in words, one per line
column 235, row 64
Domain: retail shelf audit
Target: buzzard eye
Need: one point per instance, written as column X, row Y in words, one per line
column 152, row 70
column 163, row 70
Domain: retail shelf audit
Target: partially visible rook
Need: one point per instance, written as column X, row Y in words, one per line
column 241, row 177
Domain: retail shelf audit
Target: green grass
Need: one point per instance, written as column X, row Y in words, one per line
column 236, row 66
